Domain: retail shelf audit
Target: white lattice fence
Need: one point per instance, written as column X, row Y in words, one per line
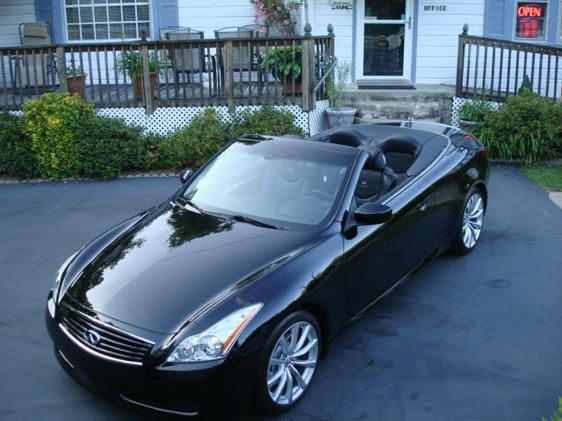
column 458, row 103
column 166, row 120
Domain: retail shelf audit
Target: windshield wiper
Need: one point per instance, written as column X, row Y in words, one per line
column 183, row 202
column 253, row 221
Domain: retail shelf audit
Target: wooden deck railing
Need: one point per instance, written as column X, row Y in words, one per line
column 151, row 74
column 494, row 69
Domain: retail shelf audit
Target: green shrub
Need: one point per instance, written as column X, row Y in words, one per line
column 108, row 146
column 527, row 127
column 99, row 158
column 557, row 416
column 16, row 157
column 477, row 110
column 54, row 122
column 193, row 145
column 264, row 121
column 526, row 84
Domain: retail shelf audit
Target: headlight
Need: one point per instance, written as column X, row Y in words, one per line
column 60, row 272
column 215, row 342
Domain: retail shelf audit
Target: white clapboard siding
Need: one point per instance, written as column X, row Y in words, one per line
column 209, row 15
column 437, row 37
column 321, row 14
column 12, row 13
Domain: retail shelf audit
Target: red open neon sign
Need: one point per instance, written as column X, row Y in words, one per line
column 530, row 11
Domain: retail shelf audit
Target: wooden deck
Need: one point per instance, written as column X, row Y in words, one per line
column 165, row 95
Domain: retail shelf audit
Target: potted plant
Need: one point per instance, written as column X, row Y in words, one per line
column 130, row 63
column 278, row 15
column 285, row 63
column 473, row 113
column 337, row 115
column 76, row 80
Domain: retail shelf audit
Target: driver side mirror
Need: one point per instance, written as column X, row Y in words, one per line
column 186, row 175
column 372, row 213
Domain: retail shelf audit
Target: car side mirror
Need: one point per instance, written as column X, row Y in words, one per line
column 186, row 175
column 372, row 213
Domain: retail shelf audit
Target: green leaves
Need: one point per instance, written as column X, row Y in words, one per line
column 527, row 127
column 130, row 63
column 61, row 137
column 477, row 110
column 284, row 62
column 193, row 145
column 267, row 121
column 53, row 122
column 16, row 156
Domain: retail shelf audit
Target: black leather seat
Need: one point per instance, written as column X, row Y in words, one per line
column 400, row 151
column 376, row 177
column 347, row 137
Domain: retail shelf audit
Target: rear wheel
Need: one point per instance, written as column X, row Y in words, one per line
column 470, row 226
column 288, row 362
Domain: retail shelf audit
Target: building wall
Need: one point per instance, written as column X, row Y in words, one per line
column 12, row 13
column 321, row 14
column 209, row 15
column 437, row 37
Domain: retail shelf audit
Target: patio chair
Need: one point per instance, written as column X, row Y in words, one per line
column 189, row 60
column 35, row 69
column 244, row 58
column 259, row 31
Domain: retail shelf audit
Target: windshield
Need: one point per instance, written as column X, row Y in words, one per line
column 282, row 182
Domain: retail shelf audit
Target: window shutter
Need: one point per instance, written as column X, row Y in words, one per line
column 496, row 19
column 165, row 14
column 49, row 11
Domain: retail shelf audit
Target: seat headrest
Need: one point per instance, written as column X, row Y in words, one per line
column 400, row 144
column 376, row 160
column 347, row 137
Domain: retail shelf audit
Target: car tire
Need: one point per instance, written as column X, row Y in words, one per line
column 471, row 219
column 288, row 360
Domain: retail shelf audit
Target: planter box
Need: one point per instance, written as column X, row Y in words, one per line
column 76, row 84
column 344, row 116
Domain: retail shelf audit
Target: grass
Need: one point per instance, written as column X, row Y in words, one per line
column 549, row 177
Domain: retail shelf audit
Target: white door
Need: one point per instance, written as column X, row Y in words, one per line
column 384, row 39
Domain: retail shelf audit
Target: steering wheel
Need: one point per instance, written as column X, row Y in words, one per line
column 320, row 195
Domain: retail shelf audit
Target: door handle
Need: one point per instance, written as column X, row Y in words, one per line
column 423, row 205
column 409, row 22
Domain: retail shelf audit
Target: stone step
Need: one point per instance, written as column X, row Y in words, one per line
column 432, row 103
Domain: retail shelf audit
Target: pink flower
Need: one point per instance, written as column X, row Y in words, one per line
column 286, row 22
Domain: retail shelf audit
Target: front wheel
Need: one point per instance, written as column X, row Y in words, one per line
column 470, row 227
column 288, row 362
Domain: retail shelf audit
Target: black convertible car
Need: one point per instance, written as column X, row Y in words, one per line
column 226, row 295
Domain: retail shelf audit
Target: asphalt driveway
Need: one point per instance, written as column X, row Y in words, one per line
column 474, row 338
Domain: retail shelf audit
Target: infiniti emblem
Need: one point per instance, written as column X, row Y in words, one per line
column 92, row 337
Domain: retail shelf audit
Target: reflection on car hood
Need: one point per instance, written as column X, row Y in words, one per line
column 166, row 267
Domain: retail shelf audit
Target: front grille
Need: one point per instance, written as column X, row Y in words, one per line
column 103, row 339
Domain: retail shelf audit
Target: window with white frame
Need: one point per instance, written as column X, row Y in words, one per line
column 98, row 20
column 531, row 20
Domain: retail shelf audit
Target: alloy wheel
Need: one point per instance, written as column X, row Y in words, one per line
column 472, row 220
column 292, row 363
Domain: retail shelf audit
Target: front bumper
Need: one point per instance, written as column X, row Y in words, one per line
column 164, row 389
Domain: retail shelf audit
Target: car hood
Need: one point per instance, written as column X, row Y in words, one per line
column 168, row 266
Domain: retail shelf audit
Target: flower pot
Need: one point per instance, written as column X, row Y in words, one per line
column 338, row 117
column 137, row 85
column 76, row 84
column 288, row 87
